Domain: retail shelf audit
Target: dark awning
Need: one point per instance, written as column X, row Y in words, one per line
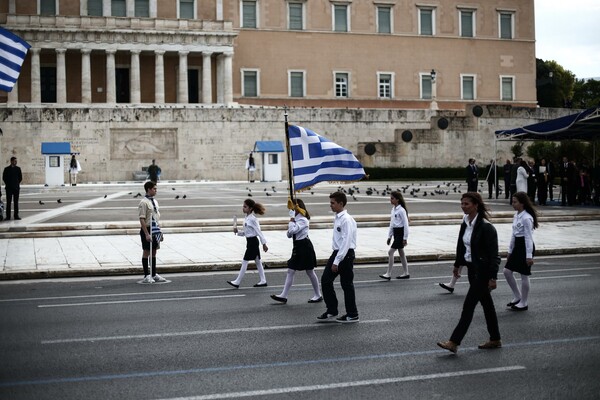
column 584, row 125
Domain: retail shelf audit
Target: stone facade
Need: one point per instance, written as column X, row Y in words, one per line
column 212, row 143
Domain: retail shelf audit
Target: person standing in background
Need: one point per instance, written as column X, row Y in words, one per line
column 154, row 172
column 251, row 167
column 472, row 176
column 74, row 168
column 492, row 178
column 543, row 179
column 12, row 178
column 506, row 173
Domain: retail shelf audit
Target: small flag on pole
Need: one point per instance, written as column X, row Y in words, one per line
column 13, row 50
column 316, row 159
column 155, row 231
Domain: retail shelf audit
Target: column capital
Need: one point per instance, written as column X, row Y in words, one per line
column 183, row 52
column 135, row 51
column 35, row 50
column 60, row 51
column 159, row 52
column 110, row 51
column 207, row 53
column 86, row 51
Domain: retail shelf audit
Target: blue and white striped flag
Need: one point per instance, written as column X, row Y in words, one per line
column 155, row 231
column 13, row 50
column 316, row 159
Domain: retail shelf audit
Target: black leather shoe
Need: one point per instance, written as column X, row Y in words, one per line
column 515, row 308
column 403, row 277
column 233, row 284
column 448, row 288
column 260, row 284
column 17, row 217
column 320, row 299
column 279, row 299
column 512, row 304
column 387, row 278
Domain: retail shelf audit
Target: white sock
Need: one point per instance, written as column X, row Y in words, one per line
column 524, row 291
column 315, row 282
column 404, row 261
column 453, row 279
column 261, row 271
column 512, row 282
column 289, row 281
column 241, row 274
column 391, row 252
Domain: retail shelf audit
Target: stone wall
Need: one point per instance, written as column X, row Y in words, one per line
column 195, row 142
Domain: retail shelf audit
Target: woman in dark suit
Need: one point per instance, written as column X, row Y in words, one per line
column 477, row 248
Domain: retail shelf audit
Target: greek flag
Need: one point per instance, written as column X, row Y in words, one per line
column 155, row 231
column 316, row 159
column 13, row 50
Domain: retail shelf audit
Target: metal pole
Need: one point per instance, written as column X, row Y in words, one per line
column 289, row 155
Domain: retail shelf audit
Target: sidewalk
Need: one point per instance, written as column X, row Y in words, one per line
column 25, row 258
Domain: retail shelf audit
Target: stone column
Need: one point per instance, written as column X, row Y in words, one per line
column 153, row 8
column 12, row 6
column 61, row 77
column 130, row 8
column 36, row 89
column 227, row 78
column 182, row 78
column 106, row 8
column 111, row 84
column 134, row 78
column 220, row 79
column 13, row 95
column 206, row 78
column 219, row 10
column 159, row 76
column 86, row 77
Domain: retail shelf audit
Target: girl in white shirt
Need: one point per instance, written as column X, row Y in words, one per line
column 399, row 231
column 521, row 250
column 252, row 232
column 303, row 253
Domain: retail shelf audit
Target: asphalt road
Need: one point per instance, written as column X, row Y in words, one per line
column 215, row 200
column 196, row 338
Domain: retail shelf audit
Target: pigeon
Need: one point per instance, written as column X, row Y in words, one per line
column 184, row 196
column 41, row 203
column 249, row 194
column 354, row 198
column 268, row 194
column 105, row 195
column 176, row 197
column 59, row 201
column 312, row 192
column 172, row 188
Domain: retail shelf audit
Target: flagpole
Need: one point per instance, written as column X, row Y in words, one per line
column 289, row 155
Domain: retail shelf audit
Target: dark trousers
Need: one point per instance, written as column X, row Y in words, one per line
column 491, row 189
column 12, row 195
column 478, row 292
column 346, row 273
column 506, row 189
column 564, row 189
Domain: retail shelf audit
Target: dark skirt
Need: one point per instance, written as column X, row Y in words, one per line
column 303, row 256
column 398, row 238
column 517, row 261
column 252, row 249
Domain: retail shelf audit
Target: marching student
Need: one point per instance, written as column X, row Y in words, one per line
column 341, row 262
column 252, row 233
column 399, row 231
column 303, row 253
column 521, row 250
column 150, row 232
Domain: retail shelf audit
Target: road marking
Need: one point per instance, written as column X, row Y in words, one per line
column 344, row 385
column 100, row 303
column 195, row 333
column 367, row 357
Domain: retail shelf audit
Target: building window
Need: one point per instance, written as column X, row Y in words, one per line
column 193, row 86
column 340, row 18
column 296, row 83
column 385, row 84
column 48, row 7
column 250, row 83
column 507, row 88
column 506, row 24
column 48, row 84
column 467, row 23
column 186, row 9
column 296, row 16
column 468, row 89
column 384, row 19
column 426, row 86
column 341, row 84
column 118, row 8
column 122, row 82
column 142, row 8
column 273, row 158
column 249, row 14
column 95, row 8
column 426, row 21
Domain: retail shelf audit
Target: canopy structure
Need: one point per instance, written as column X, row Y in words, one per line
column 584, row 125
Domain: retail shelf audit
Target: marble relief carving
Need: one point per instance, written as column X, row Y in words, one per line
column 128, row 144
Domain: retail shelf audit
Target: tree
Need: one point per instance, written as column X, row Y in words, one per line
column 517, row 149
column 554, row 84
column 586, row 93
column 543, row 149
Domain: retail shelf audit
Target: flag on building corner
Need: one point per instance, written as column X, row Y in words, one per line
column 13, row 51
column 316, row 159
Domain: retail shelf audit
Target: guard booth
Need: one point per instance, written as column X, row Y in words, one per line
column 271, row 159
column 54, row 154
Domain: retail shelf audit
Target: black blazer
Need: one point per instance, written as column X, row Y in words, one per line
column 484, row 250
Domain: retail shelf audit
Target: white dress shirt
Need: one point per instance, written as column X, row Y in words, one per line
column 298, row 227
column 252, row 228
column 344, row 235
column 398, row 219
column 467, row 236
column 522, row 227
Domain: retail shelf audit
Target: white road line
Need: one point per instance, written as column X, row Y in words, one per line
column 539, row 278
column 195, row 333
column 344, row 385
column 100, row 303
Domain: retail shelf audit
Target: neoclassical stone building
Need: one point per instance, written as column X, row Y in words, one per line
column 187, row 79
